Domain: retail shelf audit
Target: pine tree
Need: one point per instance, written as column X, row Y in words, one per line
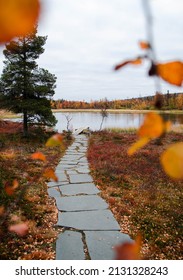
column 24, row 87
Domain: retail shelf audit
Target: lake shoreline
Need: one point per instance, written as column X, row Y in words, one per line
column 9, row 115
column 116, row 111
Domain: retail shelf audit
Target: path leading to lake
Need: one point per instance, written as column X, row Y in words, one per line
column 90, row 230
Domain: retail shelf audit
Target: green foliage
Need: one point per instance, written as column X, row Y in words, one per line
column 25, row 88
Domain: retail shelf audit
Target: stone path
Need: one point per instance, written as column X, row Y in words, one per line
column 90, row 230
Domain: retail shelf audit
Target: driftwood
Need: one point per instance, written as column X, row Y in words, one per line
column 82, row 130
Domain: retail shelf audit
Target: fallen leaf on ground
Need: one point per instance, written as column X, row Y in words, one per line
column 10, row 189
column 20, row 229
column 50, row 174
column 39, row 156
column 1, row 210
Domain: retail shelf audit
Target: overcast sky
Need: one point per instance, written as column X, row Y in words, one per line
column 86, row 38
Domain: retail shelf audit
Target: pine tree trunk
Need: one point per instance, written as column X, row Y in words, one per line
column 25, row 124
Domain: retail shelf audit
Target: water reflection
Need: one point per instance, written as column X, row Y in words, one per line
column 93, row 120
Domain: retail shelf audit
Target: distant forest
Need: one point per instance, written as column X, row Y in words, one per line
column 168, row 101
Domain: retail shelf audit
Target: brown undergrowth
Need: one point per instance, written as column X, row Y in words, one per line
column 33, row 205
column 142, row 197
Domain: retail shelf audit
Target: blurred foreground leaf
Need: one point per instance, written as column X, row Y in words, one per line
column 17, row 18
column 172, row 160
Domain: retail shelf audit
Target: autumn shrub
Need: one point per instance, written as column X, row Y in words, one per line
column 27, row 214
column 142, row 197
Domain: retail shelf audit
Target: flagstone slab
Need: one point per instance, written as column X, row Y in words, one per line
column 71, row 153
column 83, row 160
column 80, row 203
column 76, row 189
column 82, row 165
column 53, row 192
column 72, row 172
column 80, row 178
column 101, row 243
column 72, row 157
column 83, row 170
column 52, row 184
column 68, row 162
column 88, row 220
column 69, row 246
column 63, row 167
column 61, row 176
column 56, row 184
column 72, row 150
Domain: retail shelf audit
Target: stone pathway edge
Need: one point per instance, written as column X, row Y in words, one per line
column 89, row 229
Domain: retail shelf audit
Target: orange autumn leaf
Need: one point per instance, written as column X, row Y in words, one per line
column 138, row 145
column 2, row 210
column 10, row 189
column 128, row 250
column 17, row 18
column 152, row 127
column 167, row 126
column 112, row 200
column 50, row 174
column 38, row 156
column 171, row 72
column 20, row 229
column 172, row 160
column 144, row 45
column 55, row 140
column 136, row 61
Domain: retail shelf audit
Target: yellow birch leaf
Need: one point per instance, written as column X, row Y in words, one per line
column 172, row 160
column 17, row 18
column 138, row 145
column 55, row 140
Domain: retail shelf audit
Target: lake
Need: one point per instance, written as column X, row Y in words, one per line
column 114, row 120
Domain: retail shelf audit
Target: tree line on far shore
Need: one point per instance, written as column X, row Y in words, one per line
column 168, row 101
